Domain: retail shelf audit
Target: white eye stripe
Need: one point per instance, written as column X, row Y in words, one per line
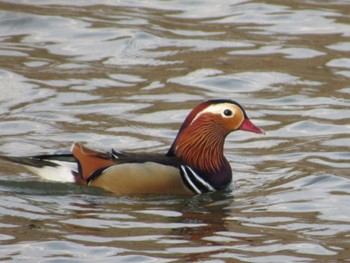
column 217, row 109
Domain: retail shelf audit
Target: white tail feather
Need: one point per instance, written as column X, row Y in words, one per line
column 61, row 173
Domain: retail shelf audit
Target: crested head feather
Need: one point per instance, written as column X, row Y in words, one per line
column 200, row 140
column 199, row 108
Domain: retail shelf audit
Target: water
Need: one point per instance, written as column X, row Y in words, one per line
column 124, row 74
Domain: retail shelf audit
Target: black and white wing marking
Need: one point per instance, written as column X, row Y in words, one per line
column 194, row 181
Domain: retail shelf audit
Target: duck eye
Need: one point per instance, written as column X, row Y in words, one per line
column 228, row 113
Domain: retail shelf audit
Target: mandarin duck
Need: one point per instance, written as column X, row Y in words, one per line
column 194, row 164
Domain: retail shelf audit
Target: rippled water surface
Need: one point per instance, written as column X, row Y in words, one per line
column 124, row 74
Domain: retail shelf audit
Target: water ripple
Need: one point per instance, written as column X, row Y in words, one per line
column 125, row 75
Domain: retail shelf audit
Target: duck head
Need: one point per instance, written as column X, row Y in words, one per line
column 200, row 140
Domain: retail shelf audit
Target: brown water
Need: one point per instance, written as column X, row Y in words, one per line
column 124, row 74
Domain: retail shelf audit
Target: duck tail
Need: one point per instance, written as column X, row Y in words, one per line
column 60, row 167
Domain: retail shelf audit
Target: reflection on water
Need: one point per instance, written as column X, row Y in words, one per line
column 125, row 75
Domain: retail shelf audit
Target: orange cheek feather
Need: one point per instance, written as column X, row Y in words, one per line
column 232, row 124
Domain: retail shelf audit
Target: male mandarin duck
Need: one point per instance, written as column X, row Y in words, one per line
column 194, row 164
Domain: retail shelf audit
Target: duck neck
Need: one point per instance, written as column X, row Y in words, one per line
column 202, row 148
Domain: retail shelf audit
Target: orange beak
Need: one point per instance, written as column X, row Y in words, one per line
column 247, row 125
